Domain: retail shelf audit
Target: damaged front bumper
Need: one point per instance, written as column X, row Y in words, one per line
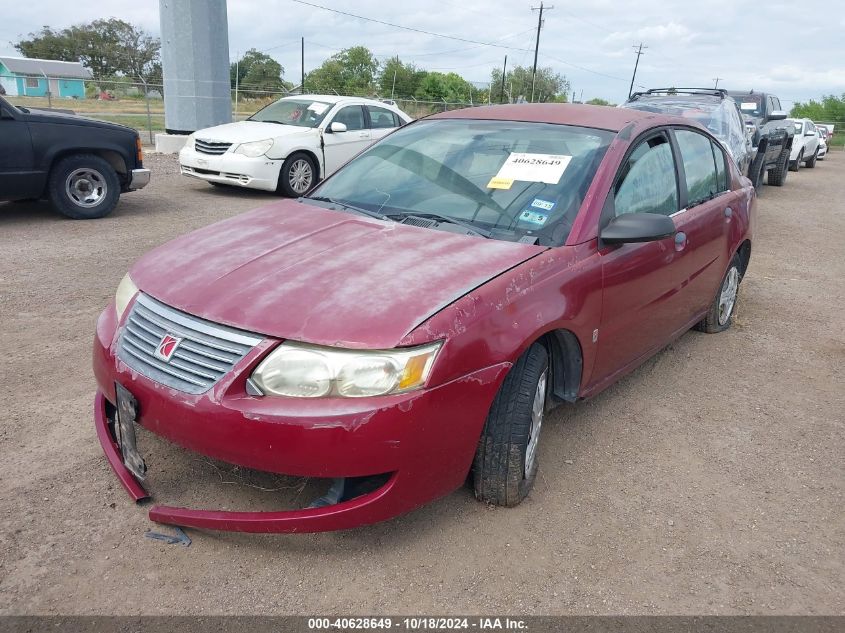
column 421, row 444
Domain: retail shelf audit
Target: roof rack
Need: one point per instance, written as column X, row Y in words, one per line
column 715, row 92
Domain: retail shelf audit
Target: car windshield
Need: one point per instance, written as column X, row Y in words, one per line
column 299, row 112
column 505, row 179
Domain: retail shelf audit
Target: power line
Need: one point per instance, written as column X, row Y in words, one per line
column 409, row 28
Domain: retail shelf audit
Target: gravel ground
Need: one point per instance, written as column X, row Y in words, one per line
column 708, row 481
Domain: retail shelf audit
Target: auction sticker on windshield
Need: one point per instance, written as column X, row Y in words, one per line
column 547, row 168
column 318, row 107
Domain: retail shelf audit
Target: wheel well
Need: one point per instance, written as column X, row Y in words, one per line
column 112, row 157
column 744, row 252
column 566, row 363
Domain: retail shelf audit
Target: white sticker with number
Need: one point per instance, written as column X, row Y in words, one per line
column 318, row 107
column 547, row 168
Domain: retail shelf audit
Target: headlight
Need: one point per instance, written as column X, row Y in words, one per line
column 307, row 371
column 126, row 289
column 255, row 148
column 189, row 142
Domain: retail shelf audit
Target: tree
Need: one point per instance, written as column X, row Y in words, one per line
column 548, row 85
column 352, row 71
column 257, row 74
column 450, row 87
column 400, row 80
column 599, row 101
column 106, row 47
column 830, row 110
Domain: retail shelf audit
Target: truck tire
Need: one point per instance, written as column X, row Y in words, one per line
column 505, row 464
column 83, row 187
column 777, row 174
column 811, row 162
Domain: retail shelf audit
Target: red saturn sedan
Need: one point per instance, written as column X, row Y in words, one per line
column 411, row 321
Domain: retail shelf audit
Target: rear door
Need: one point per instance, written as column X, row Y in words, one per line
column 341, row 146
column 382, row 121
column 642, row 282
column 708, row 205
column 18, row 177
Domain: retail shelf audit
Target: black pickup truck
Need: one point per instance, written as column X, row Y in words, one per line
column 81, row 165
column 772, row 136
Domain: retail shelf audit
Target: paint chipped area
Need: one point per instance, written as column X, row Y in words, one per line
column 295, row 271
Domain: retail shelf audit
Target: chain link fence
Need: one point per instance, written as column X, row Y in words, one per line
column 140, row 105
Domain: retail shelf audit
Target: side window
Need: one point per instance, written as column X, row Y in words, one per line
column 351, row 116
column 381, row 117
column 648, row 183
column 699, row 165
column 721, row 168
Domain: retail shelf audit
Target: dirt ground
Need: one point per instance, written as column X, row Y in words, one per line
column 710, row 481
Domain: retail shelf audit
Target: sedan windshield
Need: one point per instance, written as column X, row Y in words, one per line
column 504, row 179
column 299, row 112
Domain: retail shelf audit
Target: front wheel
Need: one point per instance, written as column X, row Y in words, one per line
column 797, row 164
column 777, row 175
column 720, row 315
column 297, row 176
column 506, row 461
column 811, row 162
column 83, row 187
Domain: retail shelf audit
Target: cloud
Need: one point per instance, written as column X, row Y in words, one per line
column 672, row 32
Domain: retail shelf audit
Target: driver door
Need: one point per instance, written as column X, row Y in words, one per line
column 342, row 146
column 18, row 177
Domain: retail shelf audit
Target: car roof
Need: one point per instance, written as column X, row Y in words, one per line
column 335, row 99
column 582, row 115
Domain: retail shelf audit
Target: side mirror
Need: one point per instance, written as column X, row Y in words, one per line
column 777, row 115
column 638, row 227
column 337, row 126
column 5, row 114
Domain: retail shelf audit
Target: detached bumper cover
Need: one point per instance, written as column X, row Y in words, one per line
column 426, row 439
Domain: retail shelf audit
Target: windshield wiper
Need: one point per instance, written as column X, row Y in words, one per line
column 444, row 218
column 350, row 207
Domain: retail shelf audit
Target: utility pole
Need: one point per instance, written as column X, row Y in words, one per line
column 537, row 44
column 504, row 73
column 302, row 83
column 393, row 89
column 237, row 79
column 637, row 63
column 716, row 79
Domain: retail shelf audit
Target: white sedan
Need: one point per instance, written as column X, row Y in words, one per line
column 805, row 145
column 289, row 145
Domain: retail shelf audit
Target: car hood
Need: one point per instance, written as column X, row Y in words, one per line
column 67, row 117
column 295, row 271
column 246, row 131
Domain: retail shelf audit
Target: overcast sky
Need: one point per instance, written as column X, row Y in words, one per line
column 795, row 50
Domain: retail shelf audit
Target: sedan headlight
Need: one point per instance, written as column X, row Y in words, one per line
column 255, row 148
column 308, row 371
column 126, row 290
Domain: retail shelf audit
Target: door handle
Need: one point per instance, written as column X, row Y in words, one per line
column 680, row 240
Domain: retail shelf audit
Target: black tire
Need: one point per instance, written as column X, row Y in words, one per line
column 499, row 472
column 811, row 162
column 714, row 321
column 777, row 174
column 95, row 192
column 756, row 175
column 797, row 164
column 289, row 183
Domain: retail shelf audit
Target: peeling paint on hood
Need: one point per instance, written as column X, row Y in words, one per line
column 295, row 271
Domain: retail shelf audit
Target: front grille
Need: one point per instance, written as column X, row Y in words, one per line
column 211, row 147
column 206, row 353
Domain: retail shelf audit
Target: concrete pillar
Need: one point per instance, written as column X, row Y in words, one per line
column 195, row 64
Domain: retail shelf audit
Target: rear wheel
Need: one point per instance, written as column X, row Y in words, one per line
column 506, row 460
column 297, row 176
column 811, row 162
column 83, row 187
